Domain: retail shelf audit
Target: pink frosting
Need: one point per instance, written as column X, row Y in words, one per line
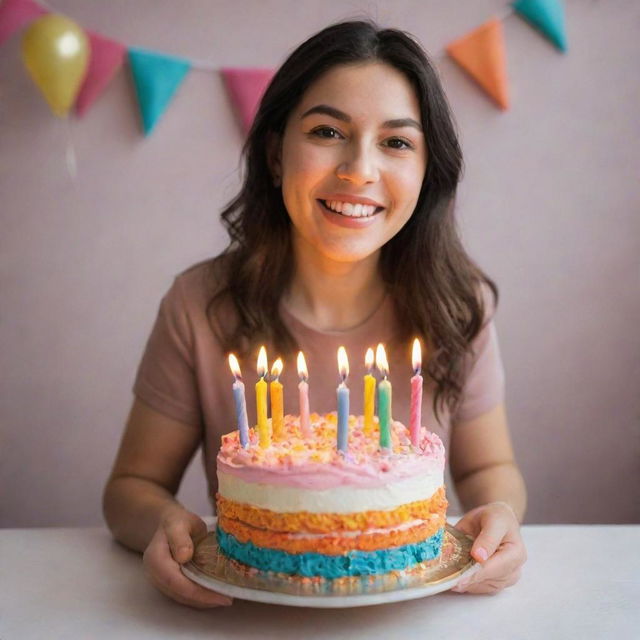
column 315, row 463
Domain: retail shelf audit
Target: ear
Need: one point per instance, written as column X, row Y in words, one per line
column 274, row 157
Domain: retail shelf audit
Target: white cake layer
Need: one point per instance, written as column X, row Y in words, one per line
column 346, row 499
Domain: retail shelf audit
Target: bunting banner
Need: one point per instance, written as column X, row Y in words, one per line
column 77, row 83
column 17, row 14
column 156, row 78
column 481, row 53
column 547, row 16
column 245, row 88
column 106, row 57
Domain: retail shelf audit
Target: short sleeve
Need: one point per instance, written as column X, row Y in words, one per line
column 484, row 383
column 166, row 377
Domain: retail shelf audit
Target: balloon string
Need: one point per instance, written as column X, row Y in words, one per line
column 70, row 153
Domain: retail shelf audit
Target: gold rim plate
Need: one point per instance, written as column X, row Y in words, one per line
column 213, row 570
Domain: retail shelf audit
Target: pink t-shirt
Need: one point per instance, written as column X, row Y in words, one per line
column 185, row 375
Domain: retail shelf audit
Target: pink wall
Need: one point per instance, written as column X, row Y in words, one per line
column 549, row 206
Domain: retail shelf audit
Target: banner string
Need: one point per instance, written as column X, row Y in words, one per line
column 204, row 65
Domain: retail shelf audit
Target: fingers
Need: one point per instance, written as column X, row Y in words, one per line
column 497, row 523
column 470, row 522
column 489, row 586
column 164, row 573
column 198, row 528
column 181, row 532
column 501, row 570
column 498, row 547
column 179, row 588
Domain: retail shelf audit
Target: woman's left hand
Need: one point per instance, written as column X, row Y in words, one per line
column 498, row 547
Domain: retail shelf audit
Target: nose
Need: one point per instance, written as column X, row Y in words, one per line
column 359, row 166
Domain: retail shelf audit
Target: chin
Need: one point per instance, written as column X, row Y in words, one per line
column 349, row 254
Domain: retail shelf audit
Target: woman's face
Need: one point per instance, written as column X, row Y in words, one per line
column 352, row 160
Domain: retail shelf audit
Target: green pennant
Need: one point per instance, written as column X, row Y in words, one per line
column 156, row 78
column 547, row 16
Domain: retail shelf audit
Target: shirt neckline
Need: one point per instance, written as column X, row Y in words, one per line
column 371, row 320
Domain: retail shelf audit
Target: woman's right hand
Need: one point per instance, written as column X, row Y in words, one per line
column 171, row 546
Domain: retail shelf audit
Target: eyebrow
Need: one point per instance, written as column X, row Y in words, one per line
column 327, row 110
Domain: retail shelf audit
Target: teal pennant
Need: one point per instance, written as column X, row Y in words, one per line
column 156, row 78
column 547, row 16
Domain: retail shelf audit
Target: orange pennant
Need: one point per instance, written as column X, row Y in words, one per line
column 481, row 53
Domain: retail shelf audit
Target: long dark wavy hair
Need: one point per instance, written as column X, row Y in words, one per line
column 435, row 286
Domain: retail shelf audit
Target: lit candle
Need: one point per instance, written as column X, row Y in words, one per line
column 303, row 388
column 369, row 393
column 415, row 419
column 277, row 411
column 264, row 434
column 241, row 404
column 343, row 401
column 384, row 398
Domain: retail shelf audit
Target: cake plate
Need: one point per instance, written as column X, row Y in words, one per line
column 213, row 570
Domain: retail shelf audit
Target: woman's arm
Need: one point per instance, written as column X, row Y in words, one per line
column 140, row 507
column 489, row 483
column 482, row 463
column 153, row 456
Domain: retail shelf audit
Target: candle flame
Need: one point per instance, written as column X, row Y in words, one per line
column 302, row 367
column 276, row 369
column 235, row 367
column 381, row 360
column 416, row 356
column 262, row 365
column 343, row 363
column 368, row 359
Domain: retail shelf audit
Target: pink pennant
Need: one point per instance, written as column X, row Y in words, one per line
column 245, row 88
column 15, row 14
column 106, row 58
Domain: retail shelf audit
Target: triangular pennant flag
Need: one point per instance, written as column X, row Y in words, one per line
column 15, row 14
column 156, row 77
column 105, row 60
column 547, row 16
column 482, row 54
column 245, row 88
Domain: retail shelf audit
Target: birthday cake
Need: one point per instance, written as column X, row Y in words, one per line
column 302, row 508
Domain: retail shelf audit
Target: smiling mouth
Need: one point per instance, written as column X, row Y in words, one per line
column 350, row 210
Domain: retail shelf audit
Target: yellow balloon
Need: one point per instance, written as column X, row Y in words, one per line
column 55, row 51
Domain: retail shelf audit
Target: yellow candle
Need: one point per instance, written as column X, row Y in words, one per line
column 264, row 433
column 369, row 393
column 277, row 411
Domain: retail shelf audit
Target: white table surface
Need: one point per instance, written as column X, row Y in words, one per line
column 579, row 582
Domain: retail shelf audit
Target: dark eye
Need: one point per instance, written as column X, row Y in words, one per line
column 326, row 132
column 399, row 143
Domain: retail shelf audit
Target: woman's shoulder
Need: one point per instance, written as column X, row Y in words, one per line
column 201, row 281
column 198, row 294
column 487, row 295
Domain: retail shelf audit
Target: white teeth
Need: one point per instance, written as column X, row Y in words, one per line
column 349, row 209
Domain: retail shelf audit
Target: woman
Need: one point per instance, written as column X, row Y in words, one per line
column 343, row 233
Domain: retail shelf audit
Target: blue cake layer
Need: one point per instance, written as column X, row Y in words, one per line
column 352, row 563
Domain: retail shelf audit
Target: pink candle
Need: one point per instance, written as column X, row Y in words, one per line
column 415, row 419
column 303, row 388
